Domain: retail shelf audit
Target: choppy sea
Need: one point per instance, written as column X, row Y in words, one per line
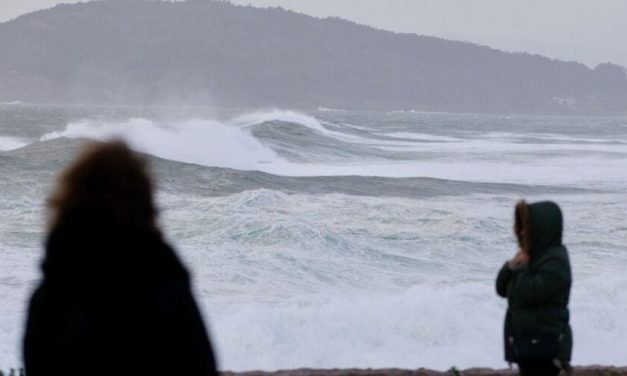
column 342, row 239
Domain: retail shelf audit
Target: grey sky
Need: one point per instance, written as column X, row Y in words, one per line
column 590, row 31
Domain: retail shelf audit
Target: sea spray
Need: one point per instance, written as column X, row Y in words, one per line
column 509, row 157
column 193, row 141
column 11, row 143
column 302, row 272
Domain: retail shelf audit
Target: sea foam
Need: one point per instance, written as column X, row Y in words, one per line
column 194, row 141
column 11, row 143
column 499, row 157
column 329, row 280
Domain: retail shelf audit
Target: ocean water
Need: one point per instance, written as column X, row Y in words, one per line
column 343, row 239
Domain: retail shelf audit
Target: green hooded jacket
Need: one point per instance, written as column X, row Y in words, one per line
column 538, row 293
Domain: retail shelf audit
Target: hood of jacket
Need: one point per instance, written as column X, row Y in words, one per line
column 546, row 226
column 538, row 226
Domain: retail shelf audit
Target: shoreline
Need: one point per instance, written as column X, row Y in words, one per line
column 594, row 370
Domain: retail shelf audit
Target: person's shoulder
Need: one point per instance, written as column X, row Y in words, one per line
column 49, row 293
column 553, row 253
column 554, row 259
column 559, row 252
column 168, row 294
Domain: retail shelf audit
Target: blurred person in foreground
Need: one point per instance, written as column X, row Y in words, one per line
column 536, row 283
column 114, row 299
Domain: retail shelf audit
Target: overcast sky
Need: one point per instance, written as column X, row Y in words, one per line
column 589, row 31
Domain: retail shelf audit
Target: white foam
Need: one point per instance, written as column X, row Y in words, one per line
column 327, row 109
column 413, row 329
column 284, row 315
column 547, row 136
column 490, row 157
column 291, row 281
column 585, row 172
column 435, row 326
column 421, row 136
column 489, row 144
column 195, row 141
column 11, row 143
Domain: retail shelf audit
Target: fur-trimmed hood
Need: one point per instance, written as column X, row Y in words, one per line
column 538, row 226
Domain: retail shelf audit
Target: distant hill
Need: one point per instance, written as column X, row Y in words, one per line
column 213, row 52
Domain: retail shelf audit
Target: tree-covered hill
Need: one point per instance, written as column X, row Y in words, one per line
column 216, row 53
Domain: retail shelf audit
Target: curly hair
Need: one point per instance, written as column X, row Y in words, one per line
column 106, row 182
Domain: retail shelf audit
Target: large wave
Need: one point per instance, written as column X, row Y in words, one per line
column 202, row 142
column 256, row 118
column 365, row 151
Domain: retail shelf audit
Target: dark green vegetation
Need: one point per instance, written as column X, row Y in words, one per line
column 209, row 52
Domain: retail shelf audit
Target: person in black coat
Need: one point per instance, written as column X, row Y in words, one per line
column 537, row 283
column 114, row 298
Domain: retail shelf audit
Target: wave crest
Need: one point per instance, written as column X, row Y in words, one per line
column 11, row 143
column 204, row 142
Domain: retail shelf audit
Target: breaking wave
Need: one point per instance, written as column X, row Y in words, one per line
column 293, row 144
column 195, row 141
column 11, row 143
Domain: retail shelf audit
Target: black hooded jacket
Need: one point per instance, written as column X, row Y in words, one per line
column 538, row 293
column 114, row 301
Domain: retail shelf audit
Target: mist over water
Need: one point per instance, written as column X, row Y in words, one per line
column 344, row 239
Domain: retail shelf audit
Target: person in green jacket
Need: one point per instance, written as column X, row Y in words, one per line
column 536, row 283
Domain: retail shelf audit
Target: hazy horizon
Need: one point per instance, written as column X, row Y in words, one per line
column 575, row 30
